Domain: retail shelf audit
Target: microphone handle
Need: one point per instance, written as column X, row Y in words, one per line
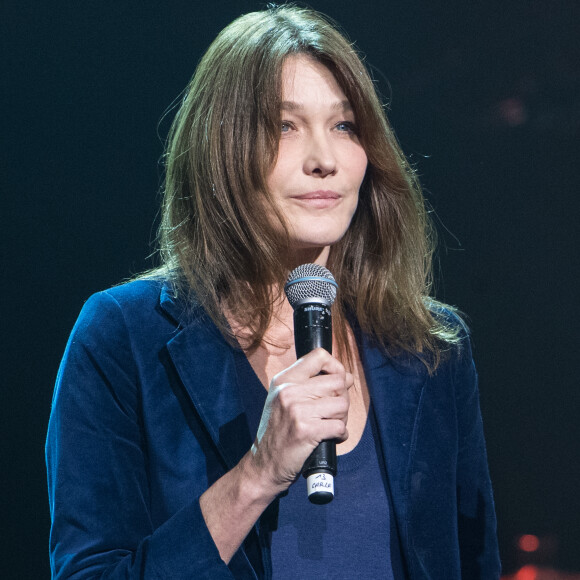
column 313, row 329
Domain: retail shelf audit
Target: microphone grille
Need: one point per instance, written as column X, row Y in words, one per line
column 310, row 281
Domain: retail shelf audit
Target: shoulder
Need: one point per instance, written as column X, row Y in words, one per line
column 137, row 294
column 457, row 367
column 132, row 296
column 132, row 308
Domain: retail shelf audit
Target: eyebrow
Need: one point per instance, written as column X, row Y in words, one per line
column 343, row 106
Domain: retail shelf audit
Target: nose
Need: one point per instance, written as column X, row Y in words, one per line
column 319, row 158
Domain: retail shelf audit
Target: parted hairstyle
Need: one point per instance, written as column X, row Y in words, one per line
column 217, row 236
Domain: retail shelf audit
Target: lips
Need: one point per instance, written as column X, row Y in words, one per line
column 318, row 200
column 320, row 194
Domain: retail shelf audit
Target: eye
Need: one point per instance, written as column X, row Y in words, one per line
column 285, row 126
column 346, row 127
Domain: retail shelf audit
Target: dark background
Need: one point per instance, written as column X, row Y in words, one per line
column 485, row 99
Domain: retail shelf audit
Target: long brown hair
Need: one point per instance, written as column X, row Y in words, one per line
column 217, row 239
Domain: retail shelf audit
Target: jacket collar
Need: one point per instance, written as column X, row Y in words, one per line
column 176, row 306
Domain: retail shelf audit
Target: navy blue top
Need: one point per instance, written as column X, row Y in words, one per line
column 354, row 536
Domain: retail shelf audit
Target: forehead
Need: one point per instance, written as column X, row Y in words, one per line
column 305, row 80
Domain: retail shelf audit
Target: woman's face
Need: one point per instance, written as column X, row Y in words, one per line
column 321, row 163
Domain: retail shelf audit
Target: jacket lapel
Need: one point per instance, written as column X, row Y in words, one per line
column 396, row 391
column 205, row 364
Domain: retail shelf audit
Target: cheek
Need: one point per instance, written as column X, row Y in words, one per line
column 358, row 166
column 280, row 172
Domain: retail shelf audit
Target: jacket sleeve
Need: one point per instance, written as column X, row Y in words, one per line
column 479, row 553
column 97, row 468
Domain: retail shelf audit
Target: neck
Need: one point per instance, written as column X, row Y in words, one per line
column 307, row 256
column 280, row 333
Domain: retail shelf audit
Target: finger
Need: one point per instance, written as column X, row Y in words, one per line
column 304, row 418
column 313, row 388
column 315, row 362
column 297, row 399
column 327, row 386
column 314, row 429
column 330, row 365
column 328, row 408
column 333, row 429
column 349, row 380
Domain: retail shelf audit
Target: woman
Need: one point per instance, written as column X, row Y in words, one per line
column 279, row 155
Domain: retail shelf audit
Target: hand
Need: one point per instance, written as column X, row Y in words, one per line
column 303, row 408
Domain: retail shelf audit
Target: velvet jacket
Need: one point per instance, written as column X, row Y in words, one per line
column 146, row 416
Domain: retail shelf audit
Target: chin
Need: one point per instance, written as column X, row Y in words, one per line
column 315, row 235
column 311, row 249
column 319, row 241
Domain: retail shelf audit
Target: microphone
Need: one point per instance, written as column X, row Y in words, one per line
column 311, row 291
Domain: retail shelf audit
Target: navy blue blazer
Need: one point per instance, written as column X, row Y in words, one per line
column 146, row 416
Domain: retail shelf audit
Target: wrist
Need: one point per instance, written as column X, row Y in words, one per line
column 233, row 504
column 256, row 482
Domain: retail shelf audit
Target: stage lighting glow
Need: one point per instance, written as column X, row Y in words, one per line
column 528, row 543
column 527, row 573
